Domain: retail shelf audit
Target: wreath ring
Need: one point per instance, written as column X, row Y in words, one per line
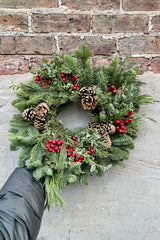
column 58, row 155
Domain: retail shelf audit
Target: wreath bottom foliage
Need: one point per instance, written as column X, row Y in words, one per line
column 58, row 155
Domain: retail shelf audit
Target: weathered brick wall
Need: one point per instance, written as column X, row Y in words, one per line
column 35, row 28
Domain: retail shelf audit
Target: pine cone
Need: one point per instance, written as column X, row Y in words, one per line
column 104, row 130
column 39, row 122
column 29, row 114
column 88, row 98
column 42, row 109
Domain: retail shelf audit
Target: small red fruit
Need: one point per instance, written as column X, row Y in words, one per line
column 52, row 145
column 120, row 130
column 75, row 143
column 66, row 146
column 73, row 161
column 49, row 81
column 112, row 87
column 47, row 145
column 114, row 91
column 126, row 121
column 91, row 151
column 69, row 154
column 50, row 150
column 117, row 121
column 75, row 77
column 74, row 88
column 56, row 148
column 62, row 75
column 49, row 141
column 63, row 79
column 81, row 158
column 117, row 127
column 123, row 127
column 74, row 138
column 130, row 119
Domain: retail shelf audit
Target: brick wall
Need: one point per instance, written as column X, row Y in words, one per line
column 32, row 29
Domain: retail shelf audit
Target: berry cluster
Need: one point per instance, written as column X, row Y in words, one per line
column 90, row 151
column 54, row 145
column 113, row 89
column 66, row 76
column 42, row 81
column 71, row 152
column 121, row 124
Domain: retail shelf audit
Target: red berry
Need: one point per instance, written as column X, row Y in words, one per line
column 74, row 138
column 56, row 148
column 66, row 146
column 62, row 75
column 60, row 147
column 69, row 154
column 75, row 143
column 50, row 150
column 52, row 145
column 71, row 150
column 76, row 159
column 76, row 154
column 47, row 145
column 114, row 91
column 63, row 79
column 75, row 77
column 123, row 127
column 91, row 151
column 117, row 127
column 53, row 142
column 123, row 131
column 120, row 130
column 76, row 84
column 121, row 121
column 49, row 81
column 74, row 88
column 73, row 161
column 49, row 141
column 119, row 87
column 130, row 119
column 44, row 87
column 122, row 92
column 126, row 121
column 88, row 151
column 81, row 158
column 73, row 155
column 59, row 142
column 122, row 124
column 117, row 121
column 112, row 87
column 66, row 150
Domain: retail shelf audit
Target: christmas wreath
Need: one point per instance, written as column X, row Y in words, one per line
column 59, row 155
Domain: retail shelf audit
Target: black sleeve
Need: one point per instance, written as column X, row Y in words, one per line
column 21, row 206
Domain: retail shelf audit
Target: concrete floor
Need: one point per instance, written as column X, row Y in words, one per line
column 122, row 205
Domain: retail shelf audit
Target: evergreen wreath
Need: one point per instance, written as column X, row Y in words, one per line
column 58, row 155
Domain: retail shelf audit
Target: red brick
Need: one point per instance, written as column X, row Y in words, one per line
column 13, row 22
column 139, row 45
column 98, row 45
column 99, row 61
column 27, row 45
column 60, row 23
column 120, row 23
column 156, row 23
column 29, row 4
column 13, row 65
column 141, row 5
column 155, row 65
column 92, row 4
column 143, row 64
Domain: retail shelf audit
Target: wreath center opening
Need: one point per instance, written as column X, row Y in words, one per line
column 74, row 116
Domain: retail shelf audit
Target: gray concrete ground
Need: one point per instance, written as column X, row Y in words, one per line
column 122, row 205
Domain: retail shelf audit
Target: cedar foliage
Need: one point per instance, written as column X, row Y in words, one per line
column 57, row 169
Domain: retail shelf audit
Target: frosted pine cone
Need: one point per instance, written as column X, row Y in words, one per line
column 39, row 122
column 88, row 98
